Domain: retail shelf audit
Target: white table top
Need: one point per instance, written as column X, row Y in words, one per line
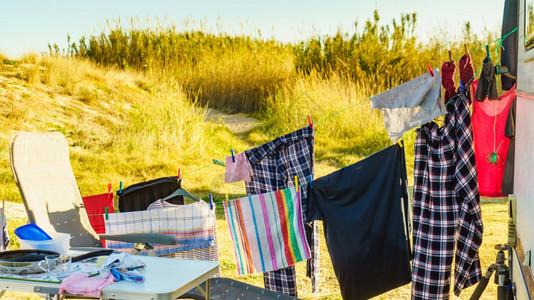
column 165, row 278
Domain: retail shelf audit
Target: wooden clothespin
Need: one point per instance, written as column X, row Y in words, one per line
column 450, row 57
column 226, row 196
column 310, row 122
column 466, row 50
column 233, row 155
column 430, row 70
column 297, row 183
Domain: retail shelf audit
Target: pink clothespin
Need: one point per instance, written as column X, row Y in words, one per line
column 310, row 122
column 430, row 70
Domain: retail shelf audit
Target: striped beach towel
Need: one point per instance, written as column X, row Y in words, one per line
column 267, row 231
column 191, row 224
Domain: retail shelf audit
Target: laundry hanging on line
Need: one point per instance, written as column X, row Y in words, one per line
column 274, row 167
column 267, row 231
column 365, row 214
column 411, row 104
column 237, row 168
column 490, row 143
column 507, row 186
column 487, row 83
column 447, row 219
column 191, row 225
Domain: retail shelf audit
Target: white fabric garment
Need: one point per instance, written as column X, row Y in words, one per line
column 411, row 104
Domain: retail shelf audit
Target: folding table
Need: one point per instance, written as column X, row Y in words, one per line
column 165, row 278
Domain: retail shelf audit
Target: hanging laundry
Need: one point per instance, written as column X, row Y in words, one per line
column 267, row 231
column 364, row 209
column 191, row 224
column 487, row 83
column 447, row 79
column 274, row 167
column 411, row 104
column 446, row 206
column 510, row 20
column 95, row 206
column 237, row 169
column 491, row 145
column 465, row 67
column 507, row 186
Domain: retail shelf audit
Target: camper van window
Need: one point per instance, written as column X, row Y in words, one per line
column 529, row 22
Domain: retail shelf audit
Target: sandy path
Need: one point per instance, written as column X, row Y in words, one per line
column 237, row 123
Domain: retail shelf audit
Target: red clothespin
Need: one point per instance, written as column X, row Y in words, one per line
column 179, row 172
column 110, row 192
column 430, row 70
column 310, row 122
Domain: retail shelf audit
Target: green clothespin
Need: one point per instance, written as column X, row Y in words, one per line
column 487, row 51
column 106, row 213
column 218, row 162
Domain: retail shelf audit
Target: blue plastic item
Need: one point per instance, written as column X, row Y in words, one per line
column 32, row 232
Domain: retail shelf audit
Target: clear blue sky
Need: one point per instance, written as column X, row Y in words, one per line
column 29, row 25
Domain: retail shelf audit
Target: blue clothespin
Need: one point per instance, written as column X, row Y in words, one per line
column 211, row 202
column 311, row 182
column 461, row 86
column 233, row 156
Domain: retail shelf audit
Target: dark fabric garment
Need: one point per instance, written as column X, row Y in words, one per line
column 140, row 195
column 364, row 211
column 467, row 73
column 274, row 166
column 447, row 79
column 509, row 45
column 446, row 206
column 487, row 83
column 507, row 186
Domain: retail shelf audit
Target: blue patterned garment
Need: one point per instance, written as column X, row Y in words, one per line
column 274, row 166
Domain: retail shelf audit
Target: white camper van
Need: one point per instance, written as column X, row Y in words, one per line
column 521, row 231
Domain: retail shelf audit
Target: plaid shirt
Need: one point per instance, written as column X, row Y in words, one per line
column 274, row 166
column 446, row 206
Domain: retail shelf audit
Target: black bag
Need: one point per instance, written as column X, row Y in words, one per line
column 140, row 195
